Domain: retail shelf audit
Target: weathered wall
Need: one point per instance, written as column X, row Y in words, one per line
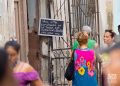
column 102, row 19
column 43, row 41
column 109, row 9
column 7, row 23
column 31, row 13
column 59, row 10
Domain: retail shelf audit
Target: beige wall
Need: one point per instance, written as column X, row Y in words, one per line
column 109, row 9
column 7, row 23
column 103, row 18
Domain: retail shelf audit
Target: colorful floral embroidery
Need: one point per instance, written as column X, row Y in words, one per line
column 89, row 68
column 82, row 59
column 77, row 62
column 84, row 63
column 81, row 64
column 77, row 66
column 88, row 64
column 91, row 73
column 81, row 71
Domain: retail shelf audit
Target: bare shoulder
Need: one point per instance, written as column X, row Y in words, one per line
column 26, row 67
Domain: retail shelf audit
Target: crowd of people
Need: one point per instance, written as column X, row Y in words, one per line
column 13, row 72
column 85, row 50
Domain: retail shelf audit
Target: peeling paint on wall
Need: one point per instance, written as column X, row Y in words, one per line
column 7, row 23
column 44, row 48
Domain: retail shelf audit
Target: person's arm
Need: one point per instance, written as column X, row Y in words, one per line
column 71, row 52
column 96, row 45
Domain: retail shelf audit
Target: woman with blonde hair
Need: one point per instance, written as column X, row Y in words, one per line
column 84, row 58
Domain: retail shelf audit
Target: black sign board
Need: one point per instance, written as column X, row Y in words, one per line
column 51, row 27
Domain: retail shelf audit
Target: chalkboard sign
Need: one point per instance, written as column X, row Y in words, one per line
column 51, row 27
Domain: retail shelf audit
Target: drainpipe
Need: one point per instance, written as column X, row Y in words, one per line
column 70, row 23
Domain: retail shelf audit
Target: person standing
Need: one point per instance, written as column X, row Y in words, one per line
column 24, row 73
column 84, row 58
column 91, row 44
column 109, row 36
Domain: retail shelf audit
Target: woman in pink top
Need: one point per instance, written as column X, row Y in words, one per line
column 23, row 72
